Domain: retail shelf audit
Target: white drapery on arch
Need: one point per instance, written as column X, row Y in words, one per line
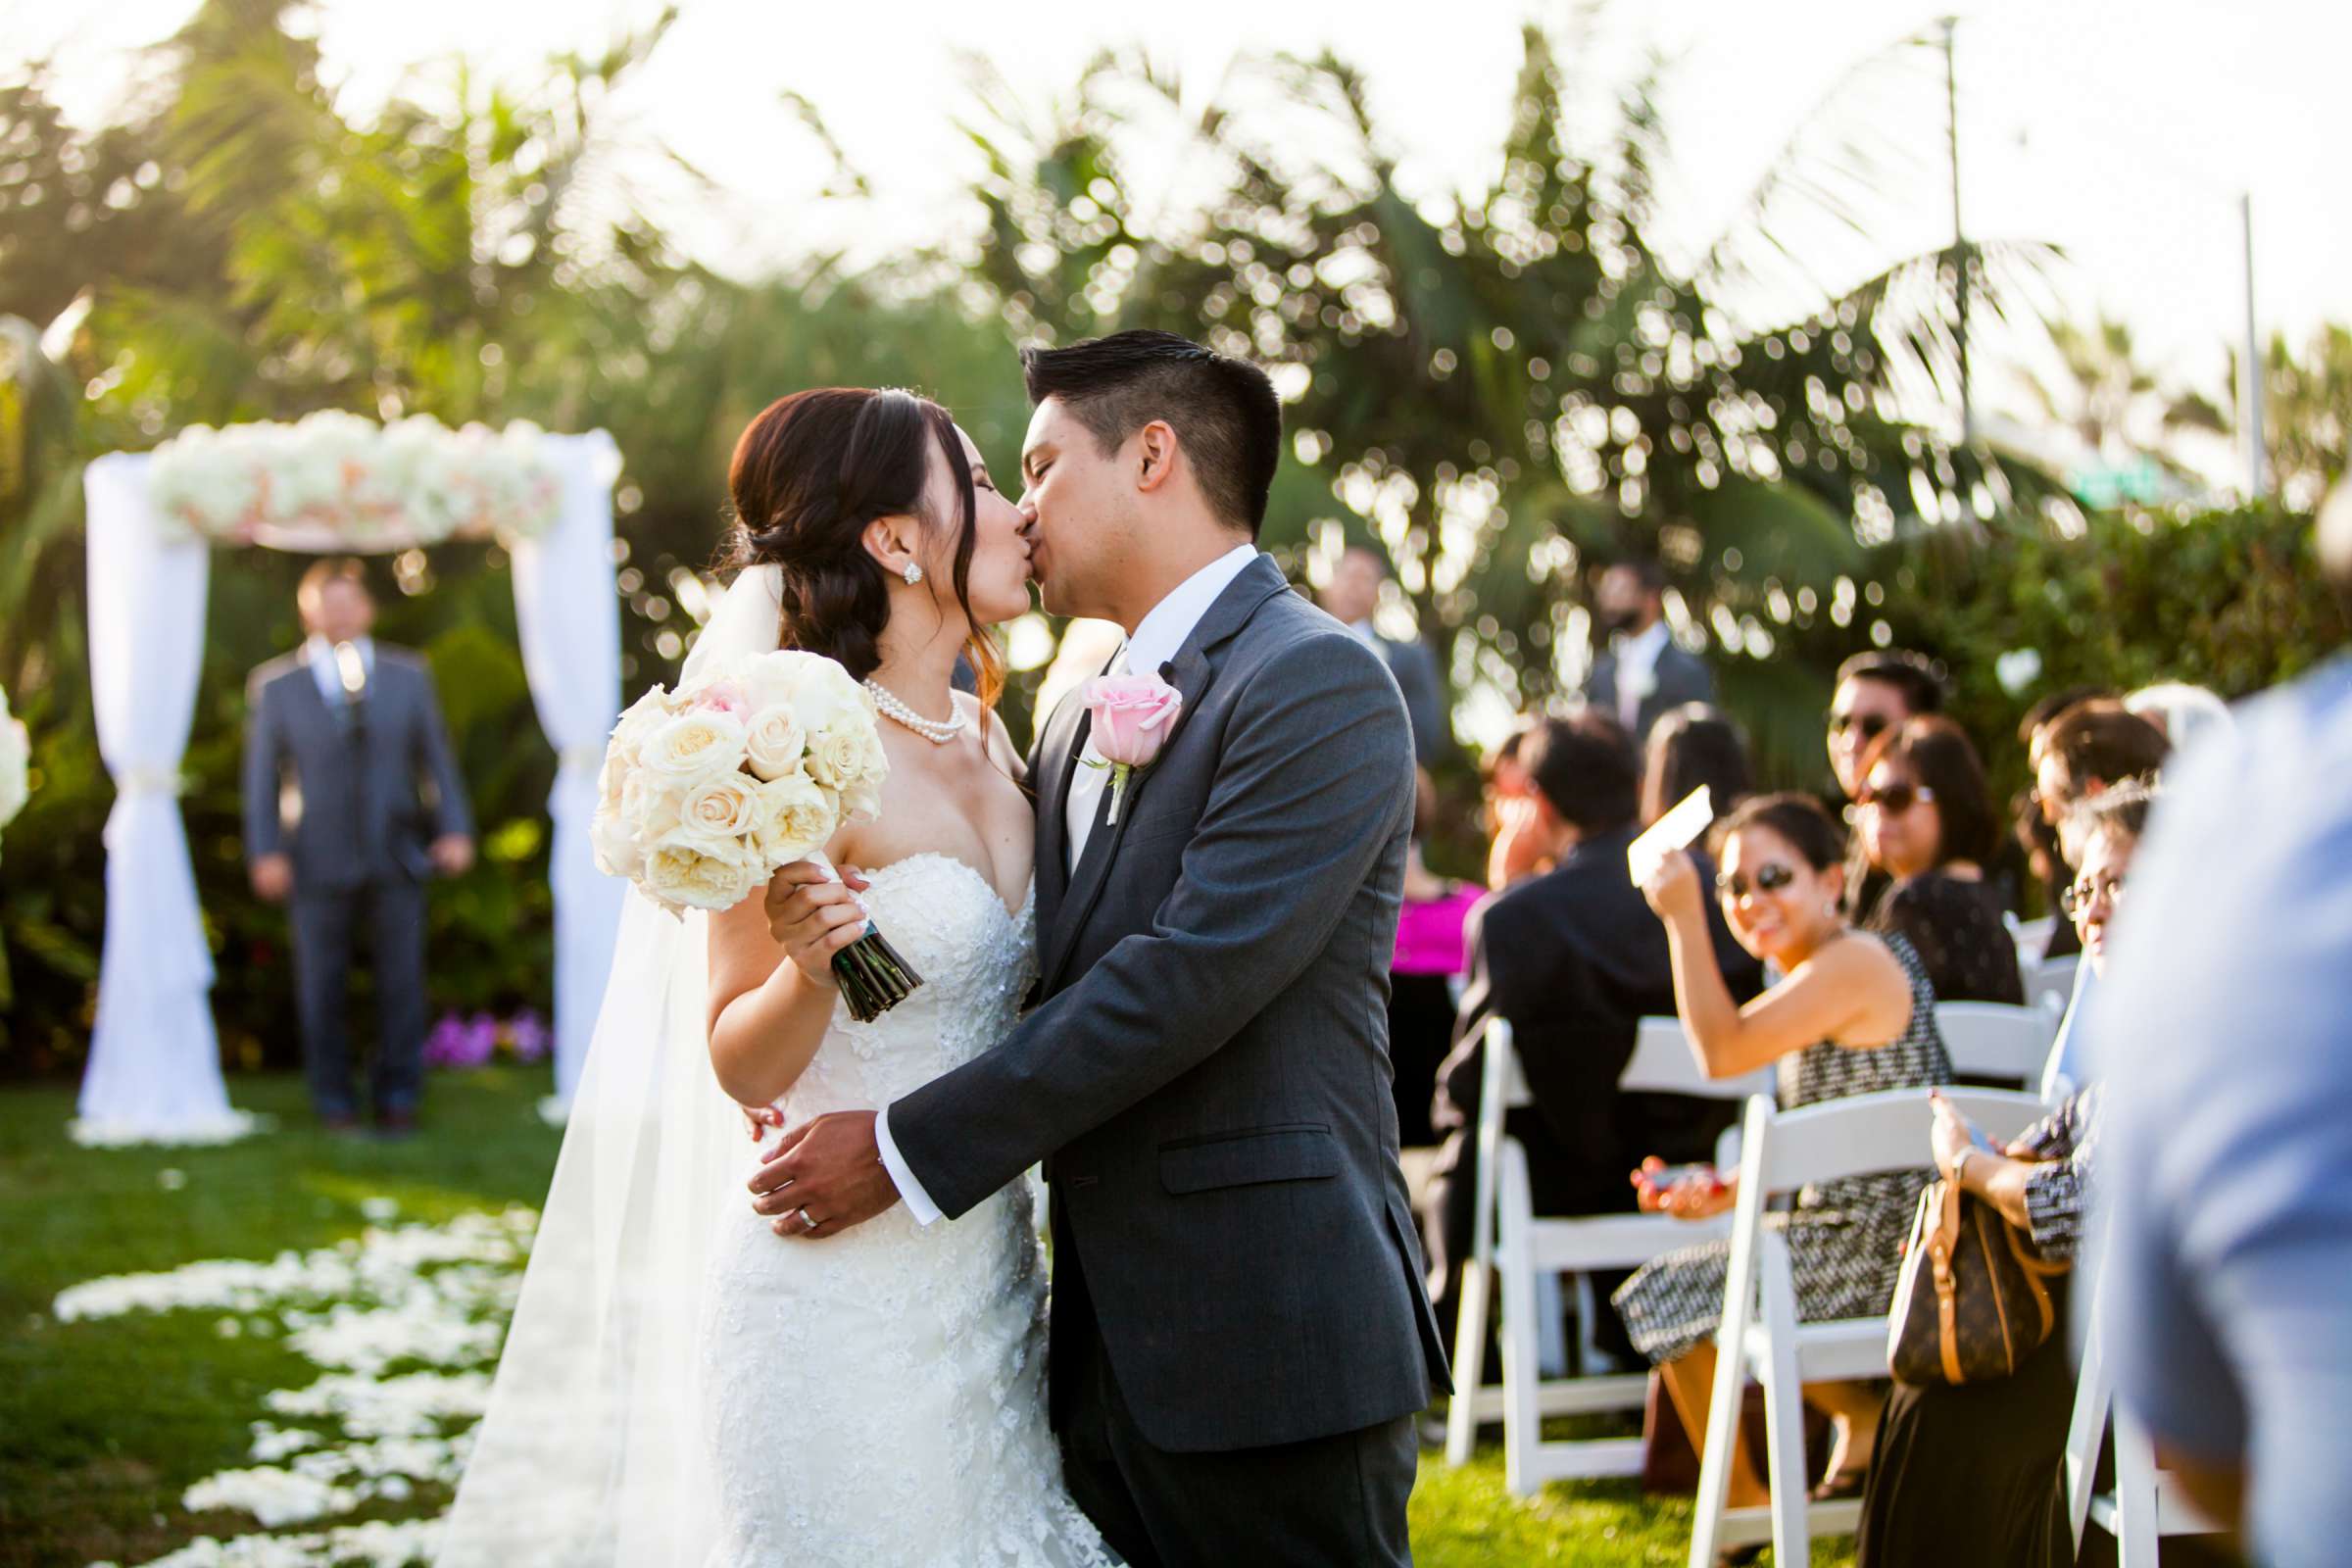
column 153, row 1071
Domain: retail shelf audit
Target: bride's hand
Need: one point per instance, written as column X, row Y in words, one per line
column 812, row 917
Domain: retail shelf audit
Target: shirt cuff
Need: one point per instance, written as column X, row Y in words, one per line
column 910, row 1191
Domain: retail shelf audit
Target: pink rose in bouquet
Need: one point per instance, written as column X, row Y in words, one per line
column 1132, row 718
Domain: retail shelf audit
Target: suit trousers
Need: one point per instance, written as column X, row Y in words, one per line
column 323, row 921
column 1334, row 1501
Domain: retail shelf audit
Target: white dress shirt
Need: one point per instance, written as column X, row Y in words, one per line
column 1156, row 639
column 1637, row 672
column 320, row 655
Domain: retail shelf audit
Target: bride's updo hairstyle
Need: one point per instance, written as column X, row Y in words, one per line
column 807, row 475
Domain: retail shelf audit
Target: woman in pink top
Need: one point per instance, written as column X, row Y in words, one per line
column 1423, row 976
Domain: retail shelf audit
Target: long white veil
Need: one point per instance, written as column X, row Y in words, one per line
column 589, row 1456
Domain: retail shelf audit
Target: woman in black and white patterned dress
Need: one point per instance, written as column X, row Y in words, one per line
column 1854, row 1015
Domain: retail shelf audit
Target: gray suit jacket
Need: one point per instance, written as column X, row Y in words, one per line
column 1681, row 677
column 1208, row 1077
column 371, row 795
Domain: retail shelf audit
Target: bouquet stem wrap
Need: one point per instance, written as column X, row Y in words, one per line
column 872, row 975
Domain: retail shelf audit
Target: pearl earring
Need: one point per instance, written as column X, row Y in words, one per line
column 913, row 574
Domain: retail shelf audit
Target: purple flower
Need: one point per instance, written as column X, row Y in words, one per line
column 526, row 1033
column 476, row 1041
column 445, row 1047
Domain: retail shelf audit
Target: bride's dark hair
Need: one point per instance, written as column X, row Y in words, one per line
column 807, row 478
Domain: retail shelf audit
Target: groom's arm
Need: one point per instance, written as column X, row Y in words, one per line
column 1315, row 778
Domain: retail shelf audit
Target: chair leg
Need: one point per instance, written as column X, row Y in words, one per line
column 2138, row 1528
column 1469, row 1363
column 1522, row 1370
column 1784, row 1408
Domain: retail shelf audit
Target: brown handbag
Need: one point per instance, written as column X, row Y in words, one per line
column 1973, row 1299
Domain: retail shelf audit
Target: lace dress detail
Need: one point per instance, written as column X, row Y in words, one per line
column 879, row 1396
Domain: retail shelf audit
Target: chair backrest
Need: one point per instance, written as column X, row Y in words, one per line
column 1997, row 1040
column 1665, row 1062
column 2053, row 977
column 1783, row 1150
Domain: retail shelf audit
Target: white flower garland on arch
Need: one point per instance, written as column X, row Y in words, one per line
column 333, row 481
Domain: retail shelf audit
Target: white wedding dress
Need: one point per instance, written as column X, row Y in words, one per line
column 878, row 1397
column 682, row 1388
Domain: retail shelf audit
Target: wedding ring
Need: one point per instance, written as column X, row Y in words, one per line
column 805, row 1219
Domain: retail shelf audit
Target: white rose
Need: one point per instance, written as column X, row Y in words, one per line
column 681, row 875
column 619, row 851
column 861, row 801
column 796, row 818
column 696, row 744
column 773, row 742
column 718, row 809
column 650, row 807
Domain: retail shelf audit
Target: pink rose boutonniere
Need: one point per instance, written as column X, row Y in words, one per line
column 1132, row 718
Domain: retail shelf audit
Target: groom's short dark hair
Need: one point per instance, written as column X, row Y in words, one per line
column 1223, row 409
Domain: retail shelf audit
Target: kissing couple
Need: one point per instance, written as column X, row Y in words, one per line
column 852, row 1363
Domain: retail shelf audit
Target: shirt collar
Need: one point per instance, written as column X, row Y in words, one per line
column 1641, row 650
column 1165, row 627
column 316, row 649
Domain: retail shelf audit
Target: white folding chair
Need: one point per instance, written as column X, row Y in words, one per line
column 1999, row 1040
column 2145, row 1505
column 1760, row 1335
column 2048, row 978
column 1513, row 1244
column 2031, row 937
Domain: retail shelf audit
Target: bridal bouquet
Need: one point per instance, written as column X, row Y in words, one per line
column 754, row 763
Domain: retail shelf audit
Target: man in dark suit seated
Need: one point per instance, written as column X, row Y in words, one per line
column 1641, row 673
column 1573, row 958
column 352, row 803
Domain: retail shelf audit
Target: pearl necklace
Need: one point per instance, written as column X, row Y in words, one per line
column 937, row 731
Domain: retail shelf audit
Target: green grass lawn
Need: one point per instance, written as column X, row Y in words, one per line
column 105, row 1423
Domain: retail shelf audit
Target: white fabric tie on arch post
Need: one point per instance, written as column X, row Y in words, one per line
column 153, row 1071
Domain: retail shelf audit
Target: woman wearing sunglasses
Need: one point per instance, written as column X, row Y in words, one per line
column 1855, row 1014
column 1926, row 822
column 1975, row 1474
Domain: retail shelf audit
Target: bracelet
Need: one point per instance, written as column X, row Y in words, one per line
column 1960, row 1164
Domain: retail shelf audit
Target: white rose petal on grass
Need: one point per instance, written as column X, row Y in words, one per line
column 773, row 742
column 694, row 745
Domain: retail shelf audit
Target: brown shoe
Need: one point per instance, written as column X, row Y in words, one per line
column 396, row 1124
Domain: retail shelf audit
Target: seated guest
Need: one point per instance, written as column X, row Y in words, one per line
column 1926, row 825
column 1971, row 1474
column 1424, row 974
column 2035, row 835
column 1693, row 745
column 1514, row 833
column 1574, row 960
column 1877, row 690
column 2085, row 750
column 1854, row 1015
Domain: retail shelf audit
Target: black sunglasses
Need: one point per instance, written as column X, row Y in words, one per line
column 1896, row 799
column 1872, row 725
column 1771, row 877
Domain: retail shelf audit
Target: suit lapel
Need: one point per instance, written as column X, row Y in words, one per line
column 1190, row 671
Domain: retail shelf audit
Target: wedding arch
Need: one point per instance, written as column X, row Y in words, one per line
column 330, row 483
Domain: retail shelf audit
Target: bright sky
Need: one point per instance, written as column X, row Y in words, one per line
column 2121, row 129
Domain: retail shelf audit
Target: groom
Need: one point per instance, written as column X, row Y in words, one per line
column 1240, row 1336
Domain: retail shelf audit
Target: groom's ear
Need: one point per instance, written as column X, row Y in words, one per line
column 1157, row 450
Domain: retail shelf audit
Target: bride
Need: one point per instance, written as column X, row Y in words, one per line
column 679, row 1385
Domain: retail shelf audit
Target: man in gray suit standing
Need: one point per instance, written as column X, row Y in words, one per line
column 1240, row 1334
column 352, row 803
column 1641, row 673
column 1350, row 599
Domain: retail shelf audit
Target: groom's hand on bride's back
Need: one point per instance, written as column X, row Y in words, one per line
column 823, row 1177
